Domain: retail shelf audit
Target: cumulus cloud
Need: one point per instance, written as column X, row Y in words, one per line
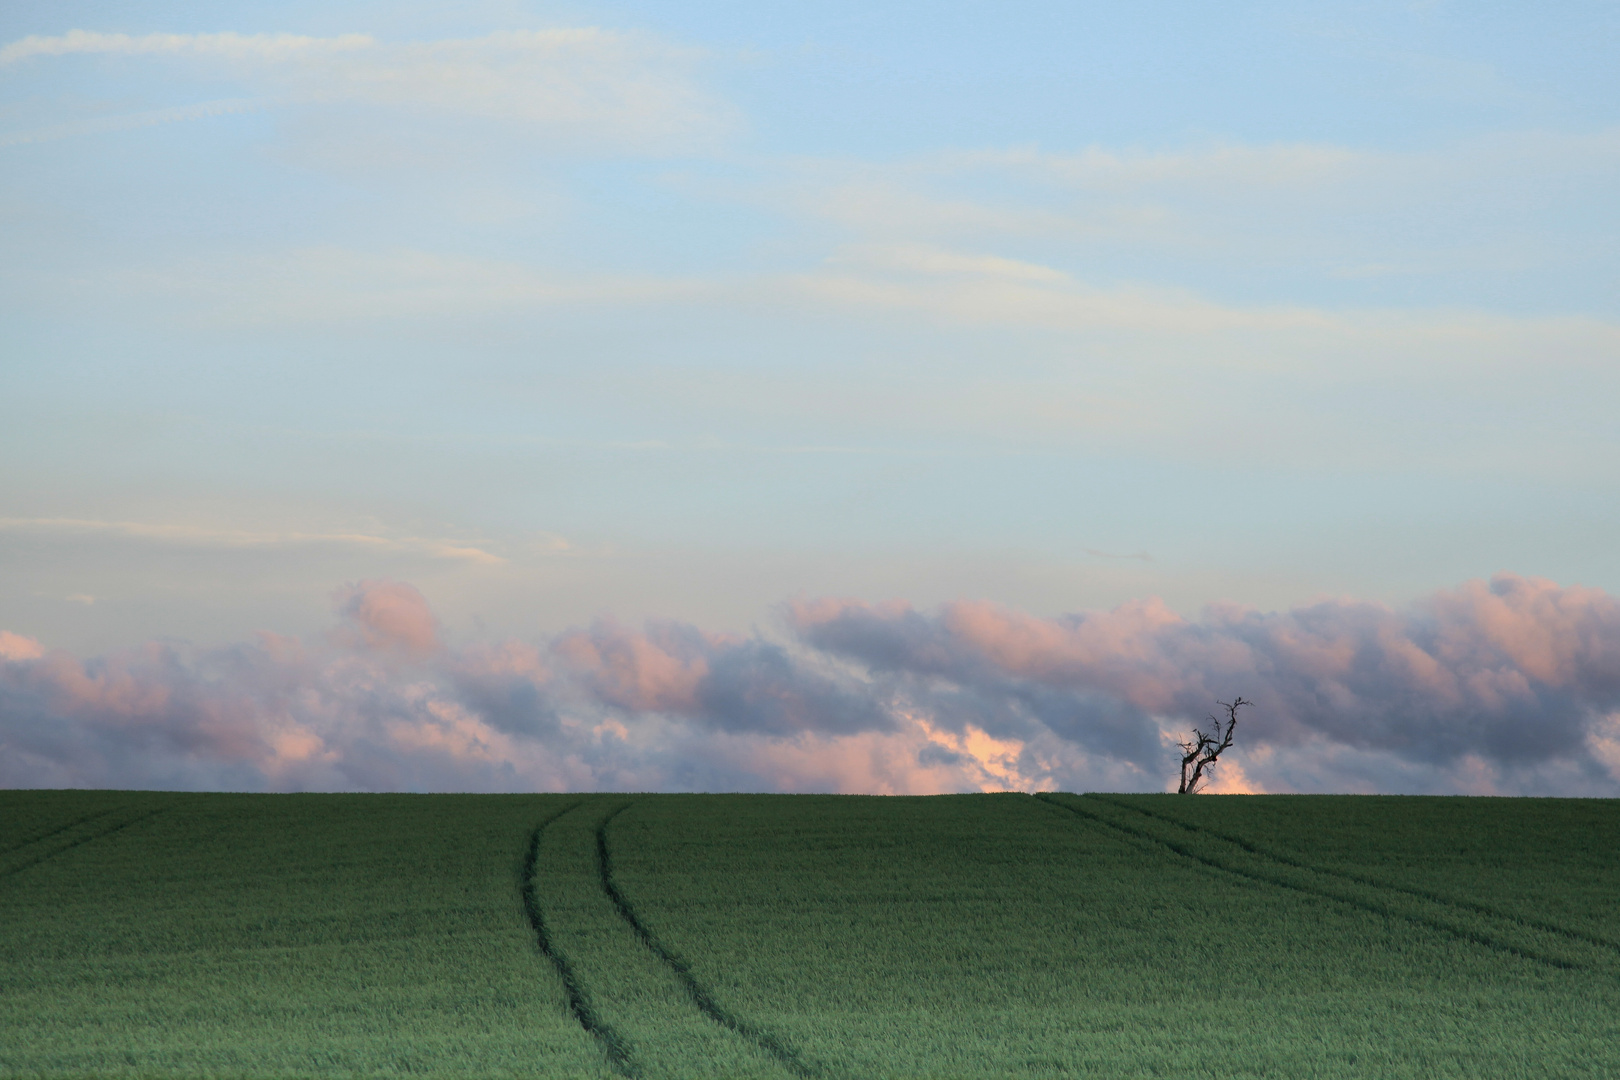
column 390, row 616
column 1513, row 677
column 1509, row 686
column 17, row 647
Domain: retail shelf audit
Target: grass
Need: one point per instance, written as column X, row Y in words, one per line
column 647, row 936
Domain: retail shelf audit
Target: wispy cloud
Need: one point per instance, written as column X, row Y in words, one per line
column 199, row 536
column 330, row 283
column 1125, row 368
column 586, row 83
column 102, row 125
column 1507, row 686
column 1302, row 216
column 983, row 288
column 229, row 46
column 1097, row 553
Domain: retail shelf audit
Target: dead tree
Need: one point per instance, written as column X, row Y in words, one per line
column 1199, row 752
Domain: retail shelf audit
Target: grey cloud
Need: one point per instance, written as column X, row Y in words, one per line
column 1509, row 686
column 1518, row 672
column 756, row 686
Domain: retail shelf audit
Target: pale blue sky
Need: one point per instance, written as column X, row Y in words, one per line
column 687, row 309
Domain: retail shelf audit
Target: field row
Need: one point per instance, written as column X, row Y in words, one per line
column 651, row 936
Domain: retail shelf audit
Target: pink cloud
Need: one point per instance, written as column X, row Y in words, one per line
column 658, row 670
column 1511, row 671
column 390, row 616
column 17, row 647
column 1511, row 685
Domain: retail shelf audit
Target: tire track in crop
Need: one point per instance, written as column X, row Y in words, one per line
column 80, row 842
column 612, row 1043
column 1371, row 882
column 48, row 833
column 683, row 971
column 1378, row 909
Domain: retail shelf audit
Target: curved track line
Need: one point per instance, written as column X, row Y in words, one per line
column 683, row 971
column 618, row 1052
column 51, row 854
column 48, row 833
column 1377, row 909
column 1422, row 894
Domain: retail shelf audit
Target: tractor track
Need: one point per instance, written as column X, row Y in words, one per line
column 48, row 833
column 1371, row 882
column 700, row 996
column 11, row 871
column 1473, row 937
column 612, row 1043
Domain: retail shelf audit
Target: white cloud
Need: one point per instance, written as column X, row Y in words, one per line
column 1451, row 216
column 979, row 288
column 1137, row 367
column 275, row 48
column 983, row 288
column 926, row 259
column 586, row 84
column 102, row 125
column 1274, row 166
column 1505, row 688
column 196, row 536
column 332, row 283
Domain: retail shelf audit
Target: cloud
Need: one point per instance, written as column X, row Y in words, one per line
column 1192, row 196
column 1507, row 686
column 17, row 647
column 1098, row 553
column 390, row 616
column 1508, row 221
column 584, row 84
column 969, row 288
column 1512, row 676
column 199, row 536
column 330, row 283
column 1167, row 372
column 720, row 681
column 132, row 121
column 227, row 46
column 1127, row 369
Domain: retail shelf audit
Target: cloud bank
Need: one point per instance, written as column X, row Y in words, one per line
column 1509, row 686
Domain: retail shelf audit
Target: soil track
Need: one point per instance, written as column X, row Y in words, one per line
column 1463, row 933
column 80, row 842
column 48, row 833
column 618, row 1052
column 1370, row 882
column 700, row 995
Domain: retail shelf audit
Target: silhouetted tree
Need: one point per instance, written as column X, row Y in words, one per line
column 1199, row 752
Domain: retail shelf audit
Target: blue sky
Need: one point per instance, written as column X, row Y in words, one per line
column 682, row 311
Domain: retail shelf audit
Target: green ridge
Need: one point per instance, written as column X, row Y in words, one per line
column 651, row 936
column 283, row 936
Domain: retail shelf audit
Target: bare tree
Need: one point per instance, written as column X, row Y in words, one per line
column 1199, row 752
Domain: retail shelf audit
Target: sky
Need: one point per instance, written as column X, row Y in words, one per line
column 884, row 398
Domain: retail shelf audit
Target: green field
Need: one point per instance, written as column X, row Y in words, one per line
column 153, row 934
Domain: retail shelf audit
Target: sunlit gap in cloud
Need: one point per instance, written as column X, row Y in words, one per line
column 802, row 302
column 1510, row 686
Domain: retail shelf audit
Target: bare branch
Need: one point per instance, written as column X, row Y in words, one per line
column 1200, row 752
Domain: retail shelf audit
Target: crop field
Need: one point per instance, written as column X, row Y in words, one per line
column 149, row 934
